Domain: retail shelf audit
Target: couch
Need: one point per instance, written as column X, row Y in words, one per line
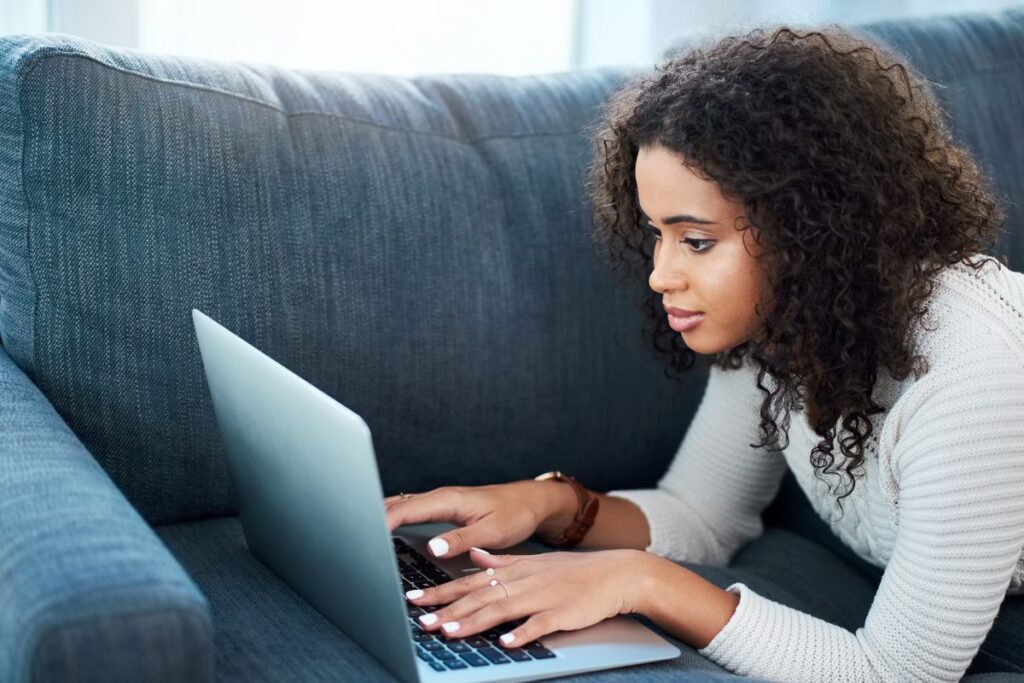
column 416, row 247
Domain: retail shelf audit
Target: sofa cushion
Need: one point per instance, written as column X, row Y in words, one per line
column 417, row 248
column 266, row 631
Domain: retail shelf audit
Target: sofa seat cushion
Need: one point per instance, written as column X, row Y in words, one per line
column 266, row 632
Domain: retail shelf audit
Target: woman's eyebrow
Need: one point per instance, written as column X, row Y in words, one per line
column 681, row 218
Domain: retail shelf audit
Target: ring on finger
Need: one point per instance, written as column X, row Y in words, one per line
column 495, row 582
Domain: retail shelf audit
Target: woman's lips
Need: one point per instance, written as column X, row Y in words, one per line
column 685, row 323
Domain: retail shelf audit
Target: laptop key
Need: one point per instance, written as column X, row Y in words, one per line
column 473, row 659
column 455, row 664
column 431, row 645
column 459, row 646
column 424, row 656
column 476, row 642
column 517, row 654
column 538, row 651
column 437, row 666
column 493, row 655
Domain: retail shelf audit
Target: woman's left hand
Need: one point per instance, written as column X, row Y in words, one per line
column 558, row 591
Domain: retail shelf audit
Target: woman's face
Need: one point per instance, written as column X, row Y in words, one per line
column 702, row 263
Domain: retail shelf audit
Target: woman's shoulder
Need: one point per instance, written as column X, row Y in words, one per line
column 973, row 311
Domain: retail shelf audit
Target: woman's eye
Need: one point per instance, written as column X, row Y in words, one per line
column 698, row 246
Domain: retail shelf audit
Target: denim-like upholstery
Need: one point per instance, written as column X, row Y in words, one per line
column 87, row 589
column 416, row 247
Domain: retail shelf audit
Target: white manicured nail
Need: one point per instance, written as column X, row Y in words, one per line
column 428, row 618
column 490, row 571
column 450, row 627
column 412, row 595
column 438, row 546
column 508, row 638
column 480, row 550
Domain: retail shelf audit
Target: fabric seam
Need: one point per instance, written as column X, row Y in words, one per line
column 38, row 57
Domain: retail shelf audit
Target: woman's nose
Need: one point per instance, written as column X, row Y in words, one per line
column 666, row 274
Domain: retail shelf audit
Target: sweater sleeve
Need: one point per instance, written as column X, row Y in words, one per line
column 709, row 502
column 958, row 462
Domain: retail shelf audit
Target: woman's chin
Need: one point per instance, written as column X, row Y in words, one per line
column 699, row 344
column 705, row 344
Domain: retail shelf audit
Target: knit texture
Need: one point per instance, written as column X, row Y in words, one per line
column 940, row 504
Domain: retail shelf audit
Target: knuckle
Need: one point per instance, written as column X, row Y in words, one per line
column 456, row 539
column 544, row 622
column 474, row 600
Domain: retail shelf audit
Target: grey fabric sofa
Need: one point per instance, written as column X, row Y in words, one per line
column 416, row 247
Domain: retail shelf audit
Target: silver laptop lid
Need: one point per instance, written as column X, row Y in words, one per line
column 312, row 508
column 310, row 500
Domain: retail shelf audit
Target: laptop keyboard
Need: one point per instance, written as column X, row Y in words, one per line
column 441, row 652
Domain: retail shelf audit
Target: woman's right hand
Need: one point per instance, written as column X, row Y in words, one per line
column 495, row 516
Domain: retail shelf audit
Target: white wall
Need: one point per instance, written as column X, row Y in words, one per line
column 397, row 36
column 22, row 16
column 639, row 32
column 112, row 22
column 405, row 37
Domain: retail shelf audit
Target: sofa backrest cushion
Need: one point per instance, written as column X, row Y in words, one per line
column 417, row 248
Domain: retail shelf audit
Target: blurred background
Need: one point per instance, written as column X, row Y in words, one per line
column 409, row 37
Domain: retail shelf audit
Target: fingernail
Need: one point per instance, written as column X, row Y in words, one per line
column 450, row 627
column 508, row 638
column 438, row 546
column 480, row 550
column 490, row 571
column 412, row 595
column 428, row 618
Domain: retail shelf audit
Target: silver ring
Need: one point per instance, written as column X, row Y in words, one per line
column 495, row 582
column 405, row 496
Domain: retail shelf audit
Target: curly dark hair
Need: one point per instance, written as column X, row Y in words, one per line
column 847, row 169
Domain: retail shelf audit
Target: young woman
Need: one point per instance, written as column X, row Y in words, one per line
column 797, row 206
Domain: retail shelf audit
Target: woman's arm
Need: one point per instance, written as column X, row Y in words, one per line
column 959, row 463
column 709, row 502
column 684, row 603
column 619, row 522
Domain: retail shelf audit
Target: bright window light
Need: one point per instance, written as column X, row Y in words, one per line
column 402, row 38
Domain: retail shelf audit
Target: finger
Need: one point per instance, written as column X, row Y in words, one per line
column 539, row 624
column 451, row 591
column 436, row 505
column 408, row 496
column 484, row 559
column 483, row 609
column 457, row 541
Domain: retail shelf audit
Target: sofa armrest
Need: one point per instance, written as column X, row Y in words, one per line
column 88, row 592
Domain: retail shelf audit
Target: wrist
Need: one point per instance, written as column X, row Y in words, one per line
column 650, row 573
column 558, row 505
column 681, row 601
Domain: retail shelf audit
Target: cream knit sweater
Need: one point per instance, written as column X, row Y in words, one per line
column 940, row 505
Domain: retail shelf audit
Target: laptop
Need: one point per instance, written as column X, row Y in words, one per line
column 312, row 510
